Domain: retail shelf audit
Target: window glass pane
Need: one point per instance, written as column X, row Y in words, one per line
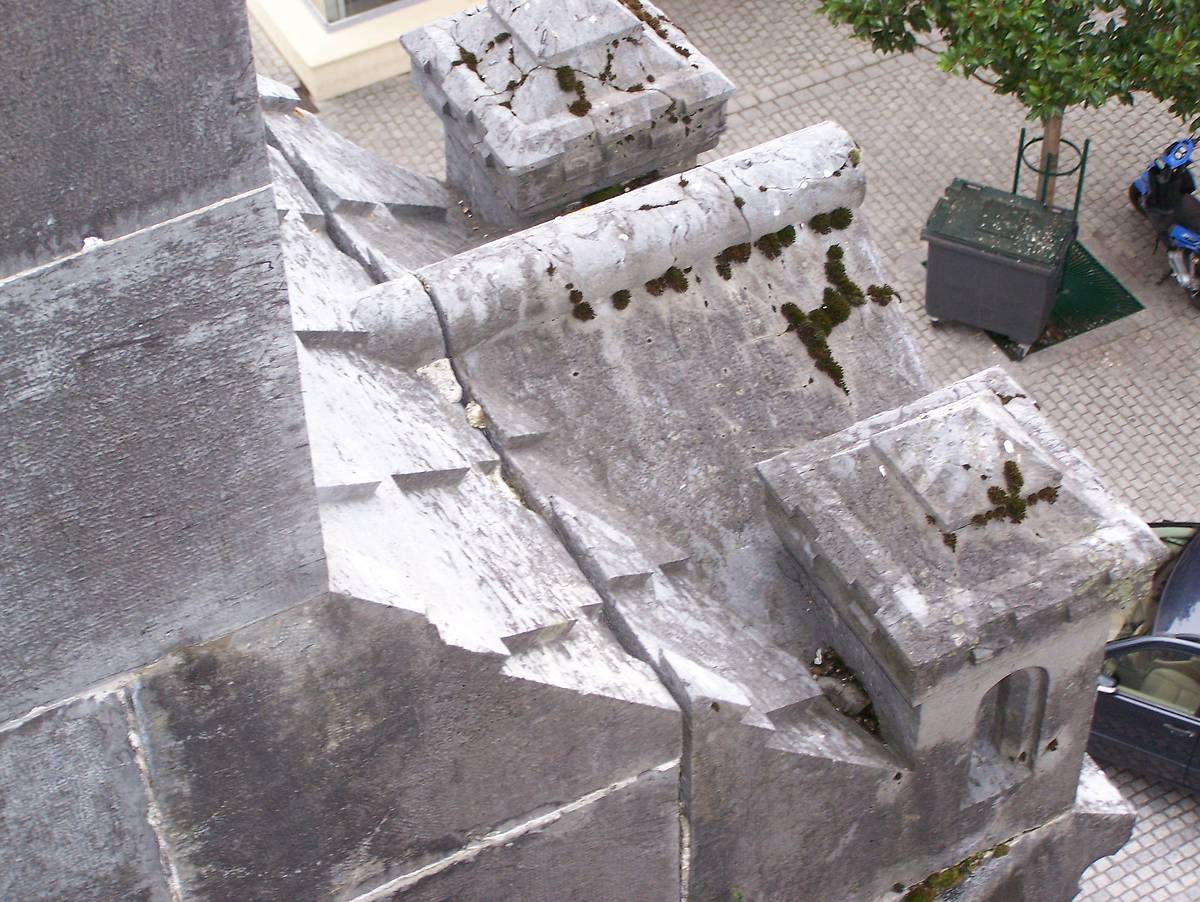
column 354, row 7
column 1162, row 676
column 335, row 10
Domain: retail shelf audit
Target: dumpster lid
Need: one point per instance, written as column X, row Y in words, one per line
column 1001, row 223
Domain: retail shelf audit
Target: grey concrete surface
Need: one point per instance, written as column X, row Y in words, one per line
column 119, row 115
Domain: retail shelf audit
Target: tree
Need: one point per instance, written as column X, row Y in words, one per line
column 1049, row 54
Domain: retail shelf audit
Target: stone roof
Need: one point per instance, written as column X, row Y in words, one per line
column 397, row 218
column 635, row 361
column 414, row 512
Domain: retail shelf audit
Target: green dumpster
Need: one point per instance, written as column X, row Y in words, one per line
column 995, row 260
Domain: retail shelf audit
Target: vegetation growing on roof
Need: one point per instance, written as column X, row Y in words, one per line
column 618, row 189
column 737, row 253
column 566, row 78
column 814, row 327
column 568, row 82
column 655, row 23
column 674, row 278
column 948, row 878
column 841, row 218
column 824, row 223
column 1007, row 503
column 466, row 58
column 882, row 294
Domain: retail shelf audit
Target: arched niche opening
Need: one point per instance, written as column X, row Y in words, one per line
column 1007, row 728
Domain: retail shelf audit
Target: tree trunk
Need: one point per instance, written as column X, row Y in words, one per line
column 1051, row 152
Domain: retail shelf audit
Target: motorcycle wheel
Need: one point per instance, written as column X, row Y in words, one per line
column 1135, row 198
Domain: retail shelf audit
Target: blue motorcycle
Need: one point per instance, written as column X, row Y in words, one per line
column 1164, row 194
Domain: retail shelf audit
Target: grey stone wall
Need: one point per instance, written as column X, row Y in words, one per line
column 318, row 753
column 73, row 808
column 158, row 489
column 118, row 114
column 159, row 486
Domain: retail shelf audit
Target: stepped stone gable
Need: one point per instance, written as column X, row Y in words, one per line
column 545, row 102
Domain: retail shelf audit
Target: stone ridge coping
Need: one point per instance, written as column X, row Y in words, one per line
column 631, row 239
column 521, row 145
column 1122, row 548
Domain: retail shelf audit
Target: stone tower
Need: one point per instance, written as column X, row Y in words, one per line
column 967, row 565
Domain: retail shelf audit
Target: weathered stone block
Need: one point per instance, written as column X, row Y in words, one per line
column 159, row 485
column 623, row 845
column 545, row 102
column 74, row 810
column 333, row 747
column 120, row 114
column 1046, row 863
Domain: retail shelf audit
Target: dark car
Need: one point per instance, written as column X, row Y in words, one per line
column 1147, row 715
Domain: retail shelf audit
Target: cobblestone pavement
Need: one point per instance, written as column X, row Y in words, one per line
column 1122, row 393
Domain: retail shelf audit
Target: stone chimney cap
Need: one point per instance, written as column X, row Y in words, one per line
column 950, row 529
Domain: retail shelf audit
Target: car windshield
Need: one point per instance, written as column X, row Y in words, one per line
column 1179, row 603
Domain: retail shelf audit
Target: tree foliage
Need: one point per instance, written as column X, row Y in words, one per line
column 1049, row 54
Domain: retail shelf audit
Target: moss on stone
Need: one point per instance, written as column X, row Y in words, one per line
column 820, row 224
column 1008, row 502
column 656, row 287
column 583, row 311
column 566, row 78
column 621, row 299
column 841, row 218
column 1012, row 476
column 468, row 59
column 676, row 280
column 769, row 245
column 882, row 294
column 822, row 320
column 836, row 306
column 793, row 314
column 737, row 253
column 581, row 107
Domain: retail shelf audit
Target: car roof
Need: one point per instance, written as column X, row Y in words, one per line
column 1179, row 603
